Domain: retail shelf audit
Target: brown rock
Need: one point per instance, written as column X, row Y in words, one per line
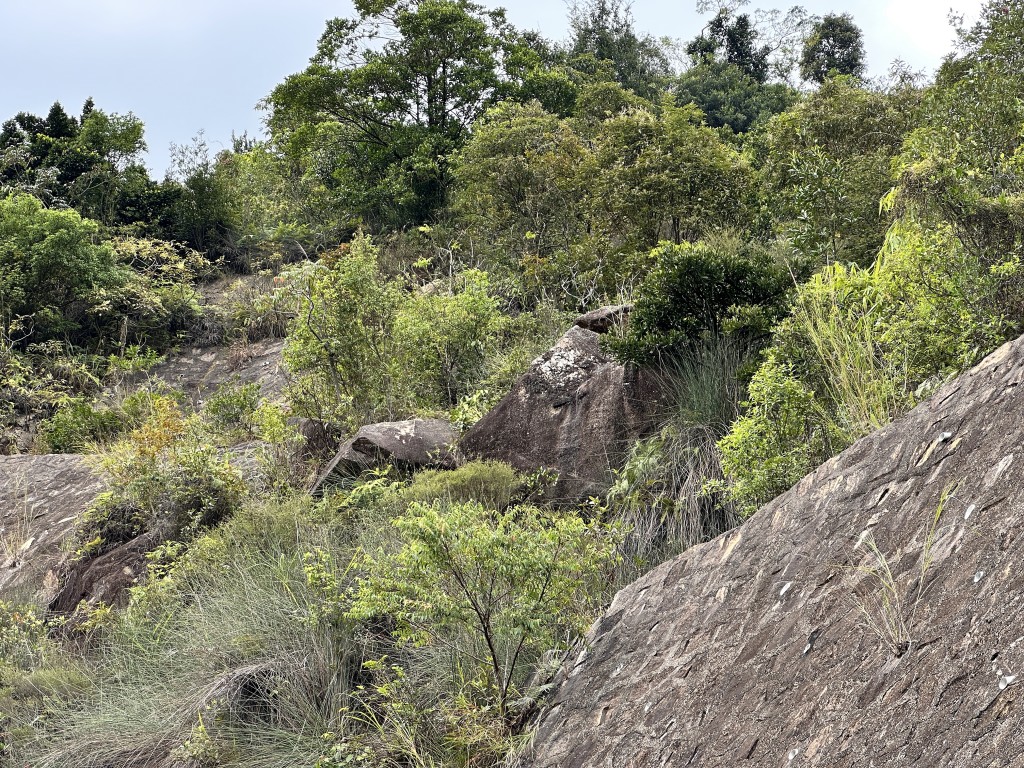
column 410, row 444
column 605, row 319
column 41, row 499
column 751, row 649
column 574, row 411
column 104, row 579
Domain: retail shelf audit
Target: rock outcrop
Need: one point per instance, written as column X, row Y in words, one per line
column 410, row 444
column 200, row 371
column 575, row 411
column 41, row 499
column 759, row 648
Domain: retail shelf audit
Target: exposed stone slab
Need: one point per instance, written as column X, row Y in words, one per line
column 411, row 444
column 41, row 499
column 751, row 649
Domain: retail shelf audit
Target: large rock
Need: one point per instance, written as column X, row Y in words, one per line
column 757, row 648
column 410, row 444
column 574, row 411
column 41, row 499
column 105, row 579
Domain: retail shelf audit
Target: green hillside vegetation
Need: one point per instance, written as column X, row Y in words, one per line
column 810, row 253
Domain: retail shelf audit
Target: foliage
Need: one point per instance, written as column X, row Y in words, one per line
column 362, row 349
column 604, row 30
column 569, row 208
column 512, row 581
column 782, row 435
column 835, row 46
column 691, row 292
column 387, row 97
column 491, row 483
column 825, row 164
column 52, row 272
column 730, row 97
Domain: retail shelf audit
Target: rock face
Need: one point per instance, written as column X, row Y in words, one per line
column 41, row 499
column 411, row 444
column 751, row 649
column 575, row 411
column 200, row 371
column 104, row 579
column 605, row 319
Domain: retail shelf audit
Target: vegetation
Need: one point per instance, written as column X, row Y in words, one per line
column 808, row 254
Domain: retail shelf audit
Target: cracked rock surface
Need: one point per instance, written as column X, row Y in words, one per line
column 41, row 500
column 757, row 648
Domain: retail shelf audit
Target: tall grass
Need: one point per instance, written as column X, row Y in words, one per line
column 869, row 385
column 227, row 648
column 670, row 491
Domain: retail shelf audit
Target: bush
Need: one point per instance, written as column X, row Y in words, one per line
column 501, row 586
column 782, row 436
column 492, row 483
column 363, row 349
column 692, row 290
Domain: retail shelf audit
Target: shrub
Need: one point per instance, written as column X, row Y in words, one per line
column 692, row 290
column 782, row 436
column 74, row 426
column 501, row 586
column 492, row 483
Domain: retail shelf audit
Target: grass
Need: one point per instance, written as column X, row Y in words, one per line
column 669, row 492
column 885, row 607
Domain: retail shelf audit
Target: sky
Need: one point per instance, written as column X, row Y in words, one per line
column 184, row 66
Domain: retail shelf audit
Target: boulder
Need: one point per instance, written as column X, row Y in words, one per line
column 870, row 616
column 410, row 444
column 575, row 411
column 41, row 499
column 605, row 319
column 104, row 579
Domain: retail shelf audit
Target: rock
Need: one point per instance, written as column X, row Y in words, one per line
column 757, row 649
column 200, row 371
column 574, row 411
column 410, row 444
column 605, row 319
column 41, row 499
column 104, row 579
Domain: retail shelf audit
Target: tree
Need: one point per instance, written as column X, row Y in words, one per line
column 501, row 586
column 604, row 31
column 834, row 47
column 729, row 97
column 387, row 97
column 733, row 39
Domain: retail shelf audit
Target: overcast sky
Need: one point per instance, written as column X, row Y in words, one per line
column 188, row 65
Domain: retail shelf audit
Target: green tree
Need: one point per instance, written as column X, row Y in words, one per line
column 835, row 46
column 603, row 30
column 502, row 586
column 387, row 97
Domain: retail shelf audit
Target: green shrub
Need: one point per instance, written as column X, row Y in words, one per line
column 692, row 290
column 491, row 483
column 502, row 586
column 782, row 436
column 74, row 426
column 233, row 407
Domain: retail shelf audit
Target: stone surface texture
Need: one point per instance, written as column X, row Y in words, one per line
column 200, row 371
column 574, row 411
column 41, row 499
column 605, row 319
column 411, row 444
column 751, row 650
